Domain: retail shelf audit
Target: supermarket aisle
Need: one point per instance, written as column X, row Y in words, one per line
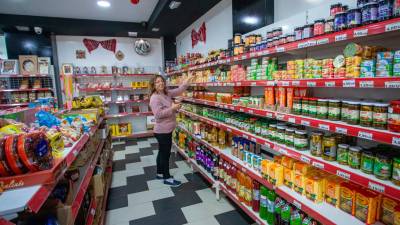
column 137, row 198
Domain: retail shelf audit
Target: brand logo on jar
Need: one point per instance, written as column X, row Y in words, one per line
column 376, row 187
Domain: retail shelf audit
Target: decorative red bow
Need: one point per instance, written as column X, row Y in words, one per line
column 91, row 44
column 199, row 36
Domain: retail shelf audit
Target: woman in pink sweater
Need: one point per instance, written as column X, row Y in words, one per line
column 164, row 110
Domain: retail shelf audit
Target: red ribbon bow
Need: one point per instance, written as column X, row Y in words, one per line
column 91, row 44
column 199, row 36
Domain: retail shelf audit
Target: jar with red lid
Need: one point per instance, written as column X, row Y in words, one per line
column 275, row 41
column 319, row 27
column 290, row 38
column 394, row 116
column 270, row 34
column 277, row 32
column 329, row 26
column 282, row 40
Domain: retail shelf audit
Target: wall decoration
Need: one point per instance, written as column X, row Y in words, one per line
column 93, row 70
column 142, row 47
column 199, row 35
column 67, row 69
column 103, row 69
column 28, row 64
column 80, row 54
column 119, row 55
column 91, row 44
column 44, row 65
column 77, row 70
column 9, row 66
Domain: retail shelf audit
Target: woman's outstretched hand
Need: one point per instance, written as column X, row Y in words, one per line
column 188, row 80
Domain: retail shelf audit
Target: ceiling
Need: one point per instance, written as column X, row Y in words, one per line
column 120, row 10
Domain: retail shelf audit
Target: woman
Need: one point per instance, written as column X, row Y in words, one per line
column 164, row 110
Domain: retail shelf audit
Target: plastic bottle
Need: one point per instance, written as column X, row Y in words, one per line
column 256, row 196
column 271, row 197
column 295, row 218
column 234, row 180
column 285, row 214
column 279, row 203
column 221, row 170
column 249, row 191
column 263, row 202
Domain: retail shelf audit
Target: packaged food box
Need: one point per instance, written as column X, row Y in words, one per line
column 275, row 174
column 332, row 190
column 386, row 211
column 288, row 175
column 366, row 203
column 314, row 187
column 287, row 162
column 347, row 197
column 384, row 64
column 368, row 68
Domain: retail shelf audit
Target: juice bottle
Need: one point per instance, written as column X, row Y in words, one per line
column 256, row 196
column 228, row 175
column 279, row 203
column 221, row 139
column 249, row 189
column 271, row 197
column 285, row 214
column 234, row 179
column 263, row 202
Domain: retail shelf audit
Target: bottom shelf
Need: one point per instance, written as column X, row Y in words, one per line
column 249, row 211
column 92, row 212
column 102, row 218
column 135, row 135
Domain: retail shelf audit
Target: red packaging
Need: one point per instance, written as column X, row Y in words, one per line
column 13, row 160
column 4, row 168
column 256, row 196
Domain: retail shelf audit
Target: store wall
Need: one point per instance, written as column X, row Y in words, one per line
column 219, row 29
column 288, row 17
column 67, row 46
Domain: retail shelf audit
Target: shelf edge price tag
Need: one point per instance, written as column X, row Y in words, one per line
column 292, row 120
column 392, row 84
column 285, row 83
column 322, row 41
column 311, row 84
column 250, row 111
column 323, row 126
column 341, row 37
column 280, row 49
column 280, row 116
column 343, row 174
column 297, row 204
column 392, row 27
column 245, row 136
column 229, row 129
column 318, row 165
column 282, row 151
column 253, row 139
column 305, row 159
column 253, row 84
column 341, row 130
column 396, row 141
column 295, row 83
column 302, row 45
column 365, row 135
column 305, row 123
column 269, row 114
column 360, row 33
column 349, row 83
column 367, row 84
column 330, row 84
column 376, row 187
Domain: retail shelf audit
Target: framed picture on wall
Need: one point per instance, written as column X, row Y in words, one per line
column 9, row 66
column 28, row 64
column 67, row 69
column 44, row 65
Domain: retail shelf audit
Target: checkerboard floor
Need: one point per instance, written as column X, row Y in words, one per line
column 136, row 197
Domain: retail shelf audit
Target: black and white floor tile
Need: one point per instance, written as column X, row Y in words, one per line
column 137, row 198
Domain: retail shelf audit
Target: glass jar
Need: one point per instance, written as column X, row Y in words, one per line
column 290, row 38
column 396, row 171
column 237, row 39
column 308, row 31
column 319, row 27
column 394, row 116
column 367, row 161
column 343, row 154
column 272, row 132
column 280, row 134
column 329, row 148
column 333, row 109
column 264, row 129
column 297, row 105
column 289, row 137
column 353, row 18
column 354, row 157
column 383, row 166
column 340, row 21
column 329, row 26
column 298, row 33
column 380, row 116
column 312, row 107
column 344, row 115
column 369, row 13
column 366, row 114
column 354, row 112
column 277, row 32
column 316, row 143
column 304, row 106
column 300, row 140
column 335, row 8
column 322, row 108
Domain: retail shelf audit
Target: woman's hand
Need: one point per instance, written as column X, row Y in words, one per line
column 176, row 106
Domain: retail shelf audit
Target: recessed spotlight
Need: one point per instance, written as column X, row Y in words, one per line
column 155, row 29
column 103, row 3
column 250, row 20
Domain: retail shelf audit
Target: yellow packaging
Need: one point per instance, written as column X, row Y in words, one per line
column 287, row 162
column 124, row 129
column 301, row 168
column 366, row 205
column 264, row 168
column 288, row 175
column 332, row 190
column 56, row 143
column 314, row 188
column 113, row 128
column 275, row 174
column 347, row 197
column 298, row 183
column 396, row 217
column 386, row 210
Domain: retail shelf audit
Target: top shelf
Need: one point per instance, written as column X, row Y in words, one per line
column 23, row 76
column 116, row 75
column 326, row 39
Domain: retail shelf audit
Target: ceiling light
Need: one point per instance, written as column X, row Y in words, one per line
column 132, row 34
column 155, row 29
column 174, row 4
column 22, row 28
column 250, row 20
column 103, row 3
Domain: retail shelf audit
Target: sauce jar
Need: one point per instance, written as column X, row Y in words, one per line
column 280, row 134
column 343, row 154
column 298, row 33
column 335, row 8
column 272, row 132
column 308, row 31
column 334, row 109
column 296, row 105
column 345, row 111
column 354, row 112
column 369, row 13
column 367, row 161
column 329, row 148
column 340, row 21
column 304, row 106
column 316, row 143
column 396, row 8
column 394, row 116
column 289, row 137
column 312, row 107
column 396, row 171
column 322, row 108
column 383, row 166
column 366, row 114
column 300, row 140
column 354, row 157
column 329, row 26
column 380, row 116
column 290, row 38
column 353, row 18
column 270, row 34
column 385, row 8
column 319, row 27
column 277, row 32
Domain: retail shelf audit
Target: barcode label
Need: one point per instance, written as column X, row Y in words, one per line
column 323, row 126
column 311, row 84
column 323, row 41
column 349, row 83
column 305, row 159
column 367, row 84
column 305, row 123
column 392, row 27
column 330, row 84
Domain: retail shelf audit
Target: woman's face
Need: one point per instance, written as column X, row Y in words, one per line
column 159, row 84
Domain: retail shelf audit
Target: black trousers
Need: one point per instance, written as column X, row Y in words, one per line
column 164, row 152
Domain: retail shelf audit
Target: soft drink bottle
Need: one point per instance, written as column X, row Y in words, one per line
column 271, row 196
column 263, row 202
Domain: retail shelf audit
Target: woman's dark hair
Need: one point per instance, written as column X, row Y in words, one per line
column 152, row 86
